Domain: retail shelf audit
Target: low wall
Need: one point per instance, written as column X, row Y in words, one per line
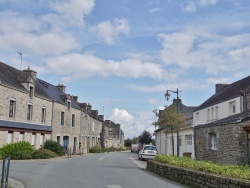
column 194, row 178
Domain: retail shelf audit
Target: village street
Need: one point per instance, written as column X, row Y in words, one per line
column 111, row 170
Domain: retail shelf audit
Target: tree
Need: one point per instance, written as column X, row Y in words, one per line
column 170, row 120
column 129, row 141
column 145, row 137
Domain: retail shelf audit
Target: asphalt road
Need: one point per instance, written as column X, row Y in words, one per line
column 107, row 170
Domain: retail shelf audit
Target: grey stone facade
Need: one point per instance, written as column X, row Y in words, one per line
column 231, row 143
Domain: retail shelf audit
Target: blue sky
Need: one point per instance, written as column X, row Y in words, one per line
column 122, row 56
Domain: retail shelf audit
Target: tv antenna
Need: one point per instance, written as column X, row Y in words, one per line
column 21, row 55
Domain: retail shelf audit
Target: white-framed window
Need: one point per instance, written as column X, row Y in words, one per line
column 93, row 126
column 213, row 140
column 31, row 92
column 208, row 114
column 212, row 114
column 29, row 112
column 62, row 118
column 41, row 139
column 21, row 137
column 43, row 118
column 197, row 117
column 12, row 108
column 232, row 107
column 10, row 137
column 69, row 105
column 216, row 113
column 73, row 120
column 33, row 139
column 189, row 142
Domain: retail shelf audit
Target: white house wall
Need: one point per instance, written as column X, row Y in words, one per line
column 224, row 110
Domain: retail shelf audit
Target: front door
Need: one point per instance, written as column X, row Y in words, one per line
column 65, row 142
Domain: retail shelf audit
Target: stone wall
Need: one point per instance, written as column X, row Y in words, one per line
column 231, row 143
column 194, row 178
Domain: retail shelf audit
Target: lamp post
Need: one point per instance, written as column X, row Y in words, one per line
column 167, row 96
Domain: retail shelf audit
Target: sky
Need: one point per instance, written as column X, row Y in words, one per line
column 121, row 56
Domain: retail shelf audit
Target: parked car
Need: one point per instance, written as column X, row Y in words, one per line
column 147, row 152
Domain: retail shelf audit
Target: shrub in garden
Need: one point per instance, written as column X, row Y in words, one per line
column 54, row 146
column 1, row 154
column 43, row 154
column 94, row 149
column 234, row 171
column 18, row 150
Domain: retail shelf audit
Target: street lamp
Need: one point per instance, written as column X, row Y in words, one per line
column 167, row 96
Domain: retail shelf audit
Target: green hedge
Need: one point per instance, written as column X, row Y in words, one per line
column 43, row 154
column 234, row 171
column 94, row 149
column 54, row 146
column 18, row 150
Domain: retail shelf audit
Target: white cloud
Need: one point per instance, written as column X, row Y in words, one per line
column 132, row 126
column 154, row 10
column 152, row 101
column 73, row 9
column 204, row 3
column 76, row 66
column 190, row 7
column 109, row 31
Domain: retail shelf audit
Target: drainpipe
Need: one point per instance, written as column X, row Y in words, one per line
column 52, row 117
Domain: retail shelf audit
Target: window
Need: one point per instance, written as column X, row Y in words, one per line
column 212, row 114
column 12, row 108
column 189, row 142
column 31, row 92
column 232, row 107
column 73, row 120
column 62, row 118
column 213, row 141
column 43, row 114
column 216, row 113
column 180, row 142
column 29, row 113
column 10, row 137
column 21, row 137
column 197, row 117
column 58, row 139
column 41, row 139
column 33, row 139
column 93, row 126
column 208, row 115
column 69, row 105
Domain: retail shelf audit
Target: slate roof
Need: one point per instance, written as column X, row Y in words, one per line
column 22, row 125
column 13, row 78
column 228, row 92
column 55, row 93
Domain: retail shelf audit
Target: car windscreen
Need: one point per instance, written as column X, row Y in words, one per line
column 149, row 148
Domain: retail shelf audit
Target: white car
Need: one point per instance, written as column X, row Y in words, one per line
column 147, row 152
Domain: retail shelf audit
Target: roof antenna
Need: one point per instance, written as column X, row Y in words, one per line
column 21, row 55
column 180, row 94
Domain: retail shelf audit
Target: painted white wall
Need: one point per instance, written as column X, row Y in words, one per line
column 223, row 111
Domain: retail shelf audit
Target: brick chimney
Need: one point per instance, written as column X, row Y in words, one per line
column 30, row 74
column 219, row 87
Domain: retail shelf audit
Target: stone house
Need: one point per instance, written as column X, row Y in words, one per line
column 66, row 116
column 220, row 124
column 163, row 142
column 112, row 135
column 25, row 110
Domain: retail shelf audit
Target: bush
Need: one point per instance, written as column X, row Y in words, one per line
column 94, row 149
column 242, row 172
column 1, row 154
column 54, row 146
column 43, row 154
column 18, row 150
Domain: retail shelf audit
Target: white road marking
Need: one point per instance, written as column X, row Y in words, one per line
column 103, row 157
column 140, row 164
column 114, row 186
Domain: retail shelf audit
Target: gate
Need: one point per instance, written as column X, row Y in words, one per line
column 5, row 172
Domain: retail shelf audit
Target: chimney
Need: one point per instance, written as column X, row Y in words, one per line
column 219, row 87
column 89, row 107
column 177, row 102
column 30, row 73
column 61, row 87
column 75, row 98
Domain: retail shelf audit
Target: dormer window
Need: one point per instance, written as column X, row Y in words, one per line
column 31, row 92
column 69, row 105
column 232, row 107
